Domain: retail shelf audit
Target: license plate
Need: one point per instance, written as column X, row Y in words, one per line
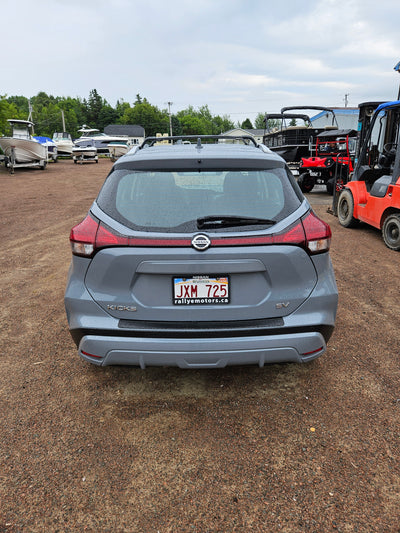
column 201, row 290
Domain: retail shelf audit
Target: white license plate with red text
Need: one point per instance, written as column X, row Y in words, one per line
column 201, row 290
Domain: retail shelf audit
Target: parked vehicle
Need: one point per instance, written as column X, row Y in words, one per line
column 21, row 149
column 200, row 253
column 52, row 152
column 84, row 154
column 373, row 194
column 64, row 143
column 332, row 163
column 119, row 148
column 297, row 141
column 93, row 137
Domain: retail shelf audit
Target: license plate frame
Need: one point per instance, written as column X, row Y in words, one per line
column 200, row 290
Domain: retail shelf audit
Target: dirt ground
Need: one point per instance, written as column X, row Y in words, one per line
column 291, row 448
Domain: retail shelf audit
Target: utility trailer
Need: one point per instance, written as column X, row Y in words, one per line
column 373, row 194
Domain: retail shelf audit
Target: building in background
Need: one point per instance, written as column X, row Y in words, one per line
column 347, row 118
column 257, row 134
column 136, row 134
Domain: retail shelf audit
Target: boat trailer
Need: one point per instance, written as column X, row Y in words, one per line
column 83, row 158
column 11, row 163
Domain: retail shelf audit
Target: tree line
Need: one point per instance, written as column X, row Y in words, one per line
column 49, row 111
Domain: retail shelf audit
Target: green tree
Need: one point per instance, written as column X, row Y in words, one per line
column 202, row 122
column 120, row 108
column 176, row 126
column 192, row 124
column 21, row 104
column 7, row 110
column 74, row 115
column 42, row 100
column 146, row 115
column 108, row 115
column 222, row 124
column 260, row 122
column 47, row 119
column 94, row 105
column 247, row 125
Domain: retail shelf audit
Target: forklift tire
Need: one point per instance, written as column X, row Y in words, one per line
column 345, row 209
column 391, row 232
column 306, row 182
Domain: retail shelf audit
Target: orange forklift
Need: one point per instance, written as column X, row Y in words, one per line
column 373, row 194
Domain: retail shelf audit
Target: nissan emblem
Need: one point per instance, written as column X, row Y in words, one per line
column 201, row 242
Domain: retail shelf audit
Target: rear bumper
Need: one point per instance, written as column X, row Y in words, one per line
column 202, row 353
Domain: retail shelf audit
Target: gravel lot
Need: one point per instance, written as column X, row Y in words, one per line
column 283, row 448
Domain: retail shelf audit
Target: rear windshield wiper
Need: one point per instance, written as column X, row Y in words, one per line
column 221, row 221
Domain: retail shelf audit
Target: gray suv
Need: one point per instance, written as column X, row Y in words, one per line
column 200, row 253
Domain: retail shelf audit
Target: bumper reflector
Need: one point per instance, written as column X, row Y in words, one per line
column 92, row 355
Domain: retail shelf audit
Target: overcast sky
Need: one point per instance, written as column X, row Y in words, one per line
column 240, row 57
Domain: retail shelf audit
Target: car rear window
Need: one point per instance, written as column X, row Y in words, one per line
column 173, row 200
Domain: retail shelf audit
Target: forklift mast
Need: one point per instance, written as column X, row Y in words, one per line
column 365, row 114
column 378, row 149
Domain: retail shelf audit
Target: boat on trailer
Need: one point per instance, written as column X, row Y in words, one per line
column 64, row 143
column 297, row 141
column 84, row 154
column 120, row 148
column 93, row 137
column 21, row 149
column 52, row 152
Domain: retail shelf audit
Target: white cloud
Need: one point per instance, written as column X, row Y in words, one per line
column 238, row 57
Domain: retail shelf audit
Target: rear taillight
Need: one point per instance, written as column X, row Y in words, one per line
column 89, row 235
column 293, row 235
column 312, row 234
column 83, row 237
column 106, row 237
column 318, row 234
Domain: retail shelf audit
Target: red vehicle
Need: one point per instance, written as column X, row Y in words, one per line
column 373, row 194
column 333, row 160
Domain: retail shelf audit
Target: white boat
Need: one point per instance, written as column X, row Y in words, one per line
column 52, row 152
column 90, row 136
column 21, row 149
column 118, row 149
column 64, row 143
column 82, row 154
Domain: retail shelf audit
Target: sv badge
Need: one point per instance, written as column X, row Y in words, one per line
column 282, row 305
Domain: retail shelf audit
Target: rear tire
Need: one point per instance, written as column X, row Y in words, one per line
column 391, row 232
column 345, row 209
column 306, row 182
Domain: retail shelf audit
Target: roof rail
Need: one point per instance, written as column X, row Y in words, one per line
column 199, row 139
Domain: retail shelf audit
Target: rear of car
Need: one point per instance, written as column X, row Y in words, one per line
column 200, row 255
